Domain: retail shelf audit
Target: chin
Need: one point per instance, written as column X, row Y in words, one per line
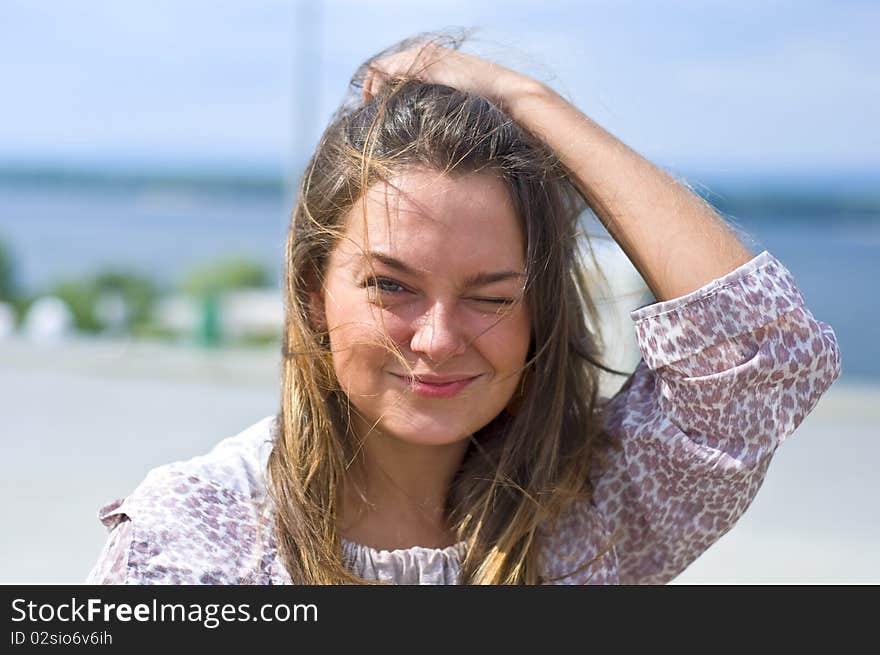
column 429, row 422
column 428, row 430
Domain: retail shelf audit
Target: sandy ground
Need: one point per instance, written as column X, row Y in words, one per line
column 82, row 423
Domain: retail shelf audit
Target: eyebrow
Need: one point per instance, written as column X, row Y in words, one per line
column 473, row 280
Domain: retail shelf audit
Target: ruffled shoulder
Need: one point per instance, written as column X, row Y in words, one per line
column 199, row 521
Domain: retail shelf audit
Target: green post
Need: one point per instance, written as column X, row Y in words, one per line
column 209, row 326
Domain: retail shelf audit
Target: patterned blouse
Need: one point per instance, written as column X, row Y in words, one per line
column 727, row 373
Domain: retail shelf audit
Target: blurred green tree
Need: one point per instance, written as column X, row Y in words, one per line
column 80, row 297
column 222, row 275
column 137, row 292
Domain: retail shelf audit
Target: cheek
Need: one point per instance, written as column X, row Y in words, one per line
column 360, row 355
column 511, row 337
column 369, row 332
column 357, row 346
column 505, row 346
column 509, row 353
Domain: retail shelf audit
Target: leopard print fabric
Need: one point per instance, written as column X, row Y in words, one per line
column 728, row 372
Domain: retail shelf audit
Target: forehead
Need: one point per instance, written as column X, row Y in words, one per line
column 423, row 215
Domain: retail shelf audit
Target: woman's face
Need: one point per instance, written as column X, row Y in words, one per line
column 446, row 289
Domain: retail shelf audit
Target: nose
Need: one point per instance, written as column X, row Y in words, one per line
column 438, row 334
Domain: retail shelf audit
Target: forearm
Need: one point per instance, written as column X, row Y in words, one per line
column 675, row 239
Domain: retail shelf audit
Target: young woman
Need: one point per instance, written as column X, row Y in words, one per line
column 440, row 421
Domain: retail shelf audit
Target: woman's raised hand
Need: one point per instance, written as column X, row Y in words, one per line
column 436, row 64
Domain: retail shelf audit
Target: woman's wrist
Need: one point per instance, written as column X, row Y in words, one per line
column 514, row 91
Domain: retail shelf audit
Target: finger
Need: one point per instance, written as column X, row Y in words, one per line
column 367, row 95
column 373, row 81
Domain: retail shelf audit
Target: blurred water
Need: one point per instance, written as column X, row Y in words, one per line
column 66, row 232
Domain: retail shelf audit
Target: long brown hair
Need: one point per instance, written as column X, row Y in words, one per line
column 528, row 463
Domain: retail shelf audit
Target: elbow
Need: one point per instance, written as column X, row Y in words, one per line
column 817, row 363
column 815, row 367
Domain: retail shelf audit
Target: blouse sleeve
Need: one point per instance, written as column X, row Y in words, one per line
column 179, row 528
column 112, row 564
column 728, row 372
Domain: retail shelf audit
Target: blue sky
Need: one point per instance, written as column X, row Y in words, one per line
column 711, row 86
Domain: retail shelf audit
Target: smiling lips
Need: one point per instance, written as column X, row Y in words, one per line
column 436, row 387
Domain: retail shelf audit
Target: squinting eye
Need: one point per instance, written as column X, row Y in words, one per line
column 496, row 301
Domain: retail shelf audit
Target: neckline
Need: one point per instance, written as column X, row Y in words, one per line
column 457, row 549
